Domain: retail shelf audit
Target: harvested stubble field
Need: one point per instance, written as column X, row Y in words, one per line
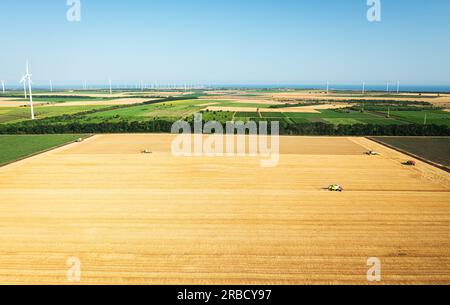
column 157, row 219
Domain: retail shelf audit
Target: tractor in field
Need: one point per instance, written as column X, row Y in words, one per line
column 335, row 188
column 79, row 140
column 146, row 152
column 410, row 163
column 372, row 153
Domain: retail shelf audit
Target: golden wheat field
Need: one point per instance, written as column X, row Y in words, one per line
column 135, row 218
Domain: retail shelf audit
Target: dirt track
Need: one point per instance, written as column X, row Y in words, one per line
column 157, row 219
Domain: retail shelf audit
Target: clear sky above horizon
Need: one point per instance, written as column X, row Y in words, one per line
column 227, row 41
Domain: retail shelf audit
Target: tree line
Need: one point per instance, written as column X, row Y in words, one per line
column 164, row 126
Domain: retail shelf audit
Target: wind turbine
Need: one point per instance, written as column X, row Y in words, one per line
column 24, row 87
column 364, row 88
column 25, row 78
column 51, row 86
column 3, row 86
column 387, row 87
column 398, row 87
column 328, row 87
column 110, row 86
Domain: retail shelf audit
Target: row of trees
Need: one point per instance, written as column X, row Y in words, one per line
column 164, row 126
column 364, row 130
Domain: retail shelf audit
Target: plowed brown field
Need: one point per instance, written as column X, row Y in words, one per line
column 157, row 219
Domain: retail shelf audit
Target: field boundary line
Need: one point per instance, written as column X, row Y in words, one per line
column 439, row 166
column 44, row 151
column 399, row 190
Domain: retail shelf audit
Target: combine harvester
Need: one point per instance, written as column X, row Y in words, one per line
column 410, row 163
column 372, row 153
column 335, row 188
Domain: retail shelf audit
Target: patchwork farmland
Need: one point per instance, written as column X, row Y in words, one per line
column 154, row 111
column 157, row 219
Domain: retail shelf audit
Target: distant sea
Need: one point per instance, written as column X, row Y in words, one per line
column 342, row 87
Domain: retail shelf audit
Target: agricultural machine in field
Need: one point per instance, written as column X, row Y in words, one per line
column 146, row 151
column 335, row 188
column 372, row 153
column 410, row 163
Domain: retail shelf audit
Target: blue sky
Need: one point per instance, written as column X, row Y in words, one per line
column 227, row 41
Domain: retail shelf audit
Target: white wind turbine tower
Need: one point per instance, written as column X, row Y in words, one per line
column 3, row 86
column 51, row 86
column 398, row 87
column 24, row 87
column 328, row 87
column 25, row 78
column 364, row 88
column 387, row 87
column 110, row 86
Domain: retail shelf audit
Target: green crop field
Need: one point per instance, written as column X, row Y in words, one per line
column 17, row 147
column 173, row 110
column 343, row 117
column 418, row 117
column 237, row 104
column 324, row 116
column 17, row 114
column 219, row 116
column 274, row 115
column 342, row 121
column 303, row 121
